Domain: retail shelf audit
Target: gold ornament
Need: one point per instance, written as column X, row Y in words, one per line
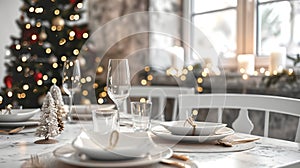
column 58, row 22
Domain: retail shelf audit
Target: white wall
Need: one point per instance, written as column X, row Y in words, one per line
column 10, row 12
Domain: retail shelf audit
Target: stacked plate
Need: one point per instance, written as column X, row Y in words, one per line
column 131, row 149
column 18, row 117
column 182, row 131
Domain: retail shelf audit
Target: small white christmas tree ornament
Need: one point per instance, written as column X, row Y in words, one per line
column 48, row 121
column 59, row 105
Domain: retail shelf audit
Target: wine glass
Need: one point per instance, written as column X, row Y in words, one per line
column 71, row 82
column 118, row 81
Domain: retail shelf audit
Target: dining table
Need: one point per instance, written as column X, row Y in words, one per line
column 18, row 149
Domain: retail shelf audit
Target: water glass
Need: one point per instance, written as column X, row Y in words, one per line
column 105, row 121
column 141, row 115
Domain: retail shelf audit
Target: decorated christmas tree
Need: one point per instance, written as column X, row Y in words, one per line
column 48, row 126
column 50, row 34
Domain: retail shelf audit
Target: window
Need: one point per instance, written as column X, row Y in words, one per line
column 217, row 20
column 248, row 27
column 278, row 25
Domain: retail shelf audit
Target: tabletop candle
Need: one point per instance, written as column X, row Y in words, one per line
column 277, row 60
column 246, row 63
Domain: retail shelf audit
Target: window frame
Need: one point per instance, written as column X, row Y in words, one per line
column 246, row 35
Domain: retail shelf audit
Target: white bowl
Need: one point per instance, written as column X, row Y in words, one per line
column 18, row 115
column 129, row 146
column 184, row 128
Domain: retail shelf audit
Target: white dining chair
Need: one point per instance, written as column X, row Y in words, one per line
column 243, row 124
column 162, row 93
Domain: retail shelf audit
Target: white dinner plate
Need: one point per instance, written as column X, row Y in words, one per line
column 128, row 145
column 68, row 155
column 87, row 109
column 18, row 115
column 165, row 134
column 184, row 128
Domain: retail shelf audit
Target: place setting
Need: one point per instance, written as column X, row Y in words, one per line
column 13, row 121
column 194, row 136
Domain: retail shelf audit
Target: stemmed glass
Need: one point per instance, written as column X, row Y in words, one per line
column 118, row 81
column 71, row 82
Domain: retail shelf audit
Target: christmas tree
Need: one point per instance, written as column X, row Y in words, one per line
column 50, row 34
column 48, row 126
column 59, row 105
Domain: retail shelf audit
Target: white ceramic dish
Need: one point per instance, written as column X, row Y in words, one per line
column 18, row 115
column 165, row 134
column 184, row 128
column 87, row 109
column 128, row 146
column 67, row 154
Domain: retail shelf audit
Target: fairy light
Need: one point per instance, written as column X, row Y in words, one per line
column 72, row 33
column 39, row 82
column 245, row 76
column 85, row 93
column 48, row 50
column 185, row 71
column 71, row 38
column 242, row 70
column 31, row 9
column 71, row 17
column 9, row 93
column 204, row 74
column 183, row 78
column 79, row 5
column 144, row 82
column 38, row 24
column 76, row 52
column 100, row 101
column 199, row 89
column 100, row 69
column 150, row 77
column 262, row 70
column 82, row 80
column 55, row 65
column 95, row 85
column 63, row 58
column 27, row 26
column 53, row 28
column 56, row 12
column 1, row 99
column 19, row 68
column 62, row 41
column 34, row 37
column 39, row 10
column 18, row 47
column 88, row 79
column 103, row 94
column 26, row 87
column 190, row 67
column 54, row 80
column 195, row 112
column 199, row 80
column 85, row 35
column 147, row 68
column 142, row 100
column 76, row 17
column 45, row 77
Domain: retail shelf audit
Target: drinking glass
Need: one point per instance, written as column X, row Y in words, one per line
column 118, row 81
column 71, row 82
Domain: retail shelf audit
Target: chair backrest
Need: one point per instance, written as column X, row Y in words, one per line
column 161, row 93
column 283, row 105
